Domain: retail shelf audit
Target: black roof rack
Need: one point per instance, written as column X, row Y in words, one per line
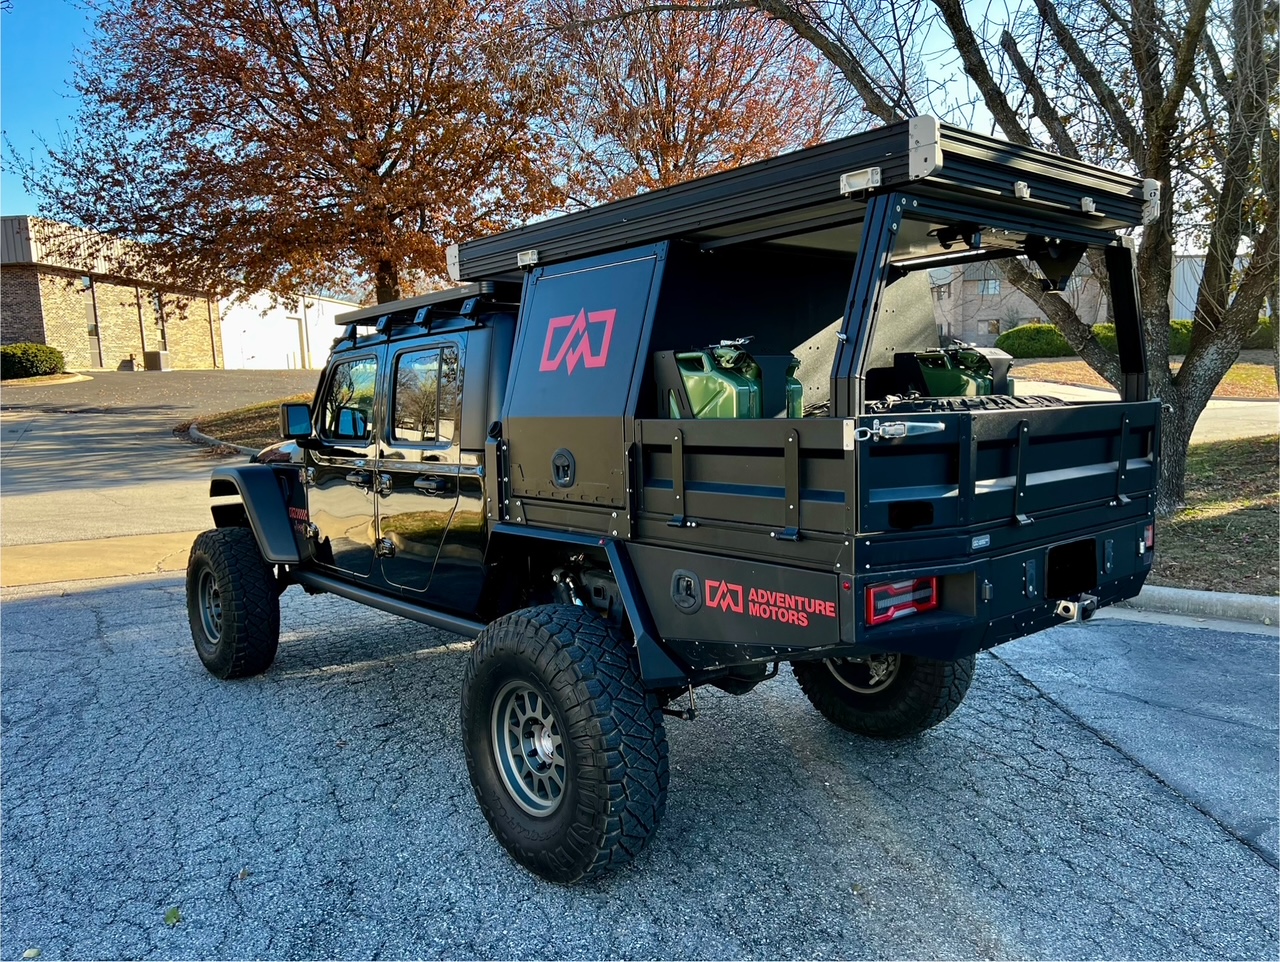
column 415, row 310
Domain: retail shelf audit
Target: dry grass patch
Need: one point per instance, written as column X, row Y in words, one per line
column 1225, row 539
column 1246, row 379
column 255, row 426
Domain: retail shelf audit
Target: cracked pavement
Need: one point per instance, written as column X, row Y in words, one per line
column 323, row 810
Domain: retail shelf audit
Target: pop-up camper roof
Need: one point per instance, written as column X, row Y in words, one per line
column 811, row 196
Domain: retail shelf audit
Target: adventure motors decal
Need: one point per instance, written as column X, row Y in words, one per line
column 576, row 345
column 768, row 605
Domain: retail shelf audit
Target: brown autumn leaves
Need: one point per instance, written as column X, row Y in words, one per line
column 293, row 145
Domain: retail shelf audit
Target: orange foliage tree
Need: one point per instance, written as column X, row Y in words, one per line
column 664, row 95
column 291, row 144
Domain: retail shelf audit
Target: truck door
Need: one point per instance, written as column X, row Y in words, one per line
column 419, row 460
column 341, row 472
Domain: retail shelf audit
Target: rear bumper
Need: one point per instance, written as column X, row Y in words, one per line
column 724, row 612
column 985, row 602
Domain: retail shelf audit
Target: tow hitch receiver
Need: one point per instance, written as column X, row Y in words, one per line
column 1079, row 610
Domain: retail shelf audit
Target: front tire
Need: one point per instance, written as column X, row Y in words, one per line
column 885, row 696
column 232, row 604
column 567, row 753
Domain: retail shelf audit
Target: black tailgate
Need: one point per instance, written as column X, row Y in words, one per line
column 960, row 469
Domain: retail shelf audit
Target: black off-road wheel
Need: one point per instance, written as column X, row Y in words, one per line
column 885, row 696
column 567, row 752
column 232, row 603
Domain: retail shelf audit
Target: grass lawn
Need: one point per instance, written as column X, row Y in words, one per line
column 1250, row 377
column 255, row 426
column 1224, row 540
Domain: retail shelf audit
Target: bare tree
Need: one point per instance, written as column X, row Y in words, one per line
column 663, row 96
column 1184, row 94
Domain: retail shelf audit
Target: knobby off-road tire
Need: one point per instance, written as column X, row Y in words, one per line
column 232, row 603
column 919, row 694
column 567, row 752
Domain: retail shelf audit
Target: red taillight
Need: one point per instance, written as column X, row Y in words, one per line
column 897, row 599
column 1149, row 536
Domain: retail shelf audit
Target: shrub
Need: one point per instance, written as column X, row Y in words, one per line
column 30, row 360
column 1105, row 334
column 1044, row 340
column 1034, row 340
column 1179, row 337
column 1263, row 338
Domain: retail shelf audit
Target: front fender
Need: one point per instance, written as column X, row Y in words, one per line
column 264, row 508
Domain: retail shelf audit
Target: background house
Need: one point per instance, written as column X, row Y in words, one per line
column 57, row 287
column 975, row 304
column 261, row 331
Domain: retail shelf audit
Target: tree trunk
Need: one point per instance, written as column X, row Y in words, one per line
column 1274, row 298
column 1175, row 439
column 387, row 282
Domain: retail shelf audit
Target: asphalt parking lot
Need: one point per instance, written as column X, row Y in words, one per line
column 98, row 459
column 323, row 810
column 175, row 394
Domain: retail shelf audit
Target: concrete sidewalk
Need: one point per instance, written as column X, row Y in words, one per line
column 61, row 561
column 1222, row 419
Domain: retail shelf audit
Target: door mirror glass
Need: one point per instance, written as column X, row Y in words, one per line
column 352, row 425
column 295, row 421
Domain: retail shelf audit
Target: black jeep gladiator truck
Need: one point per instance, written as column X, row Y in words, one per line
column 576, row 457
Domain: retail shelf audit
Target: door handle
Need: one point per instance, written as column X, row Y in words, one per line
column 359, row 477
column 431, row 485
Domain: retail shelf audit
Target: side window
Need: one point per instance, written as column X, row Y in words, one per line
column 426, row 398
column 346, row 413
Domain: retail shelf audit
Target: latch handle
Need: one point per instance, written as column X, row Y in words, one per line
column 889, row 429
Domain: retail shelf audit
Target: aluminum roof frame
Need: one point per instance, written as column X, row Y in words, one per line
column 785, row 194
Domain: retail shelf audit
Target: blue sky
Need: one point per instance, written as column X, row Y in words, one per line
column 38, row 40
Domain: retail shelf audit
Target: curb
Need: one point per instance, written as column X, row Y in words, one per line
column 49, row 380
column 197, row 437
column 1259, row 609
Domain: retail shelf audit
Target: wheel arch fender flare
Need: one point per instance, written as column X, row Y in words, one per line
column 658, row 668
column 263, row 509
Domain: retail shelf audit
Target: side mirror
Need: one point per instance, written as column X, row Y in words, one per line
column 295, row 421
column 352, row 424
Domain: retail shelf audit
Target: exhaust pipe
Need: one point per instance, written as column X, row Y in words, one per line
column 1080, row 610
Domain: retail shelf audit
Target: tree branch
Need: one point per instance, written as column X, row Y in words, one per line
column 1092, row 76
column 969, row 47
column 1040, row 102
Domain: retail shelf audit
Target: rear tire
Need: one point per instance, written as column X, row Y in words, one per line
column 885, row 696
column 567, row 753
column 232, row 604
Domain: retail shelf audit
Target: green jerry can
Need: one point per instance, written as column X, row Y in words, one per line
column 722, row 381
column 795, row 390
column 955, row 373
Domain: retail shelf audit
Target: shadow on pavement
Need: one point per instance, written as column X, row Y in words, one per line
column 323, row 809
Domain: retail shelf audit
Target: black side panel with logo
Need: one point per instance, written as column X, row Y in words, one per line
column 582, row 329
column 715, row 611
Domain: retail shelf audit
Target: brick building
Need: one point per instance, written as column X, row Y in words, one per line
column 57, row 291
column 975, row 304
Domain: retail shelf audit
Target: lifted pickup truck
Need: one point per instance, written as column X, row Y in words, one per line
column 575, row 458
